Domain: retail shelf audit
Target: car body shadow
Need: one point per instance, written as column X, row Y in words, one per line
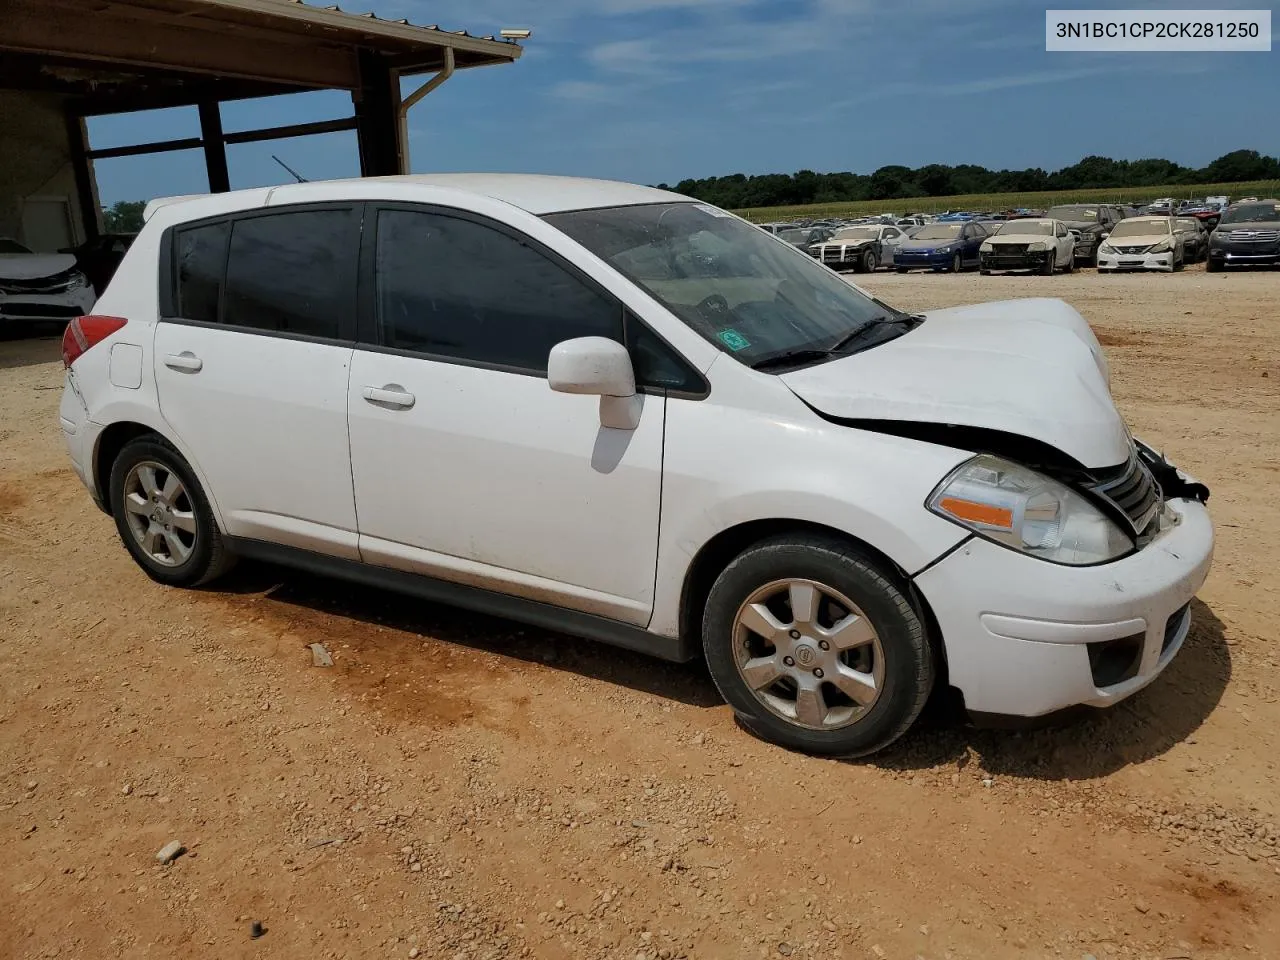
column 687, row 683
column 1085, row 743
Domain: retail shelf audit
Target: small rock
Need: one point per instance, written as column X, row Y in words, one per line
column 127, row 789
column 413, row 953
column 320, row 657
column 987, row 781
column 256, row 929
column 785, row 949
column 828, row 926
column 698, row 741
column 1141, row 907
column 32, row 784
column 559, row 904
column 170, row 852
column 415, row 867
column 877, row 950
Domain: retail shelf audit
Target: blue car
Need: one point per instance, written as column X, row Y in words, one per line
column 942, row 246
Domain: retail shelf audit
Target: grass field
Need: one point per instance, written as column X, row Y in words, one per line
column 1007, row 201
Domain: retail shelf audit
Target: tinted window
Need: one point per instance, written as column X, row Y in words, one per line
column 201, row 254
column 293, row 272
column 456, row 288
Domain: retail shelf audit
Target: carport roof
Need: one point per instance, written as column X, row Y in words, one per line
column 116, row 53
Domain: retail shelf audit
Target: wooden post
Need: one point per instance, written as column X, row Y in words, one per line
column 377, row 127
column 82, row 169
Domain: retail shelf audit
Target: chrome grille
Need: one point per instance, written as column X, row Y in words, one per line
column 1131, row 250
column 1254, row 236
column 1133, row 489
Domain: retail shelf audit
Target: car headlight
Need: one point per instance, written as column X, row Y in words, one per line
column 1107, row 249
column 1219, row 236
column 1163, row 247
column 1037, row 245
column 987, row 246
column 1019, row 508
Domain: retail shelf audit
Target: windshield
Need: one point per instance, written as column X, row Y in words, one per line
column 11, row 246
column 749, row 295
column 1252, row 213
column 939, row 231
column 1187, row 224
column 857, row 233
column 1140, row 228
column 1022, row 228
column 1082, row 212
column 794, row 236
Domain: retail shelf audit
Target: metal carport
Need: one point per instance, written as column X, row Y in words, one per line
column 64, row 60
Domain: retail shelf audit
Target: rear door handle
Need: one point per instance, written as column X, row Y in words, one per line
column 186, row 360
column 391, row 395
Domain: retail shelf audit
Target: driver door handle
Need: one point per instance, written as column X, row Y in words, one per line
column 390, row 395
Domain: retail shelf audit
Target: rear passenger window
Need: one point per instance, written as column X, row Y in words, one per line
column 293, row 272
column 456, row 288
column 201, row 253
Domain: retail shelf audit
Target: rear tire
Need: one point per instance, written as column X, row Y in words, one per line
column 163, row 516
column 876, row 647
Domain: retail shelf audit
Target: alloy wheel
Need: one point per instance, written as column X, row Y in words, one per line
column 160, row 513
column 808, row 654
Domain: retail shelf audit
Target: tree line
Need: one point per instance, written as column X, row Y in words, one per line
column 738, row 191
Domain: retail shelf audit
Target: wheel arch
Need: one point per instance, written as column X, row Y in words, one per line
column 719, row 551
column 113, row 438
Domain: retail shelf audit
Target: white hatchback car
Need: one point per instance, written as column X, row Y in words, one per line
column 614, row 411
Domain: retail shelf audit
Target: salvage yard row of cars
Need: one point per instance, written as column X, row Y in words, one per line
column 1163, row 237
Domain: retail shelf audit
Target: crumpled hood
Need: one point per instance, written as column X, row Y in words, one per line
column 1027, row 367
column 846, row 243
column 34, row 266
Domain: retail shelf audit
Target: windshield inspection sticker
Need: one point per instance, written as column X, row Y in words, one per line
column 714, row 211
column 733, row 340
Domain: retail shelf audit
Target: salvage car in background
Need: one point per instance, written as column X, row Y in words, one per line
column 38, row 287
column 1249, row 233
column 1142, row 243
column 1195, row 239
column 941, row 246
column 802, row 238
column 1037, row 244
column 861, row 248
column 1089, row 221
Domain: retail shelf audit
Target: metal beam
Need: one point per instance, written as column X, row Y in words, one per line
column 215, row 149
column 291, row 130
column 137, row 149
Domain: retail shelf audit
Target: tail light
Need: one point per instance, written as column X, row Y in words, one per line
column 83, row 332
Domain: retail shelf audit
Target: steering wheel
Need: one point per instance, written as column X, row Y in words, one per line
column 714, row 307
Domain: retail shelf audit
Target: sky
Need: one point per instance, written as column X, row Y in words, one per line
column 659, row 90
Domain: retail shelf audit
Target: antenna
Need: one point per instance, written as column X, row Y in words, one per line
column 292, row 172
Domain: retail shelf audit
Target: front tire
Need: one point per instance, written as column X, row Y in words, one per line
column 163, row 516
column 816, row 647
column 957, row 263
column 1047, row 268
column 868, row 262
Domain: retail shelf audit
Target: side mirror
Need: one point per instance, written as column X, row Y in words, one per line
column 598, row 366
column 1105, row 235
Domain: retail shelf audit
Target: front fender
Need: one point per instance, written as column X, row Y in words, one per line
column 869, row 486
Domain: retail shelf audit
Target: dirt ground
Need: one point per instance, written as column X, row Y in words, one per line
column 461, row 787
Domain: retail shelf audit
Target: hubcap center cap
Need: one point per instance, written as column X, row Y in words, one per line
column 805, row 655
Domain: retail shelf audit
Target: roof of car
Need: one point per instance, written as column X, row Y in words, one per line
column 535, row 193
